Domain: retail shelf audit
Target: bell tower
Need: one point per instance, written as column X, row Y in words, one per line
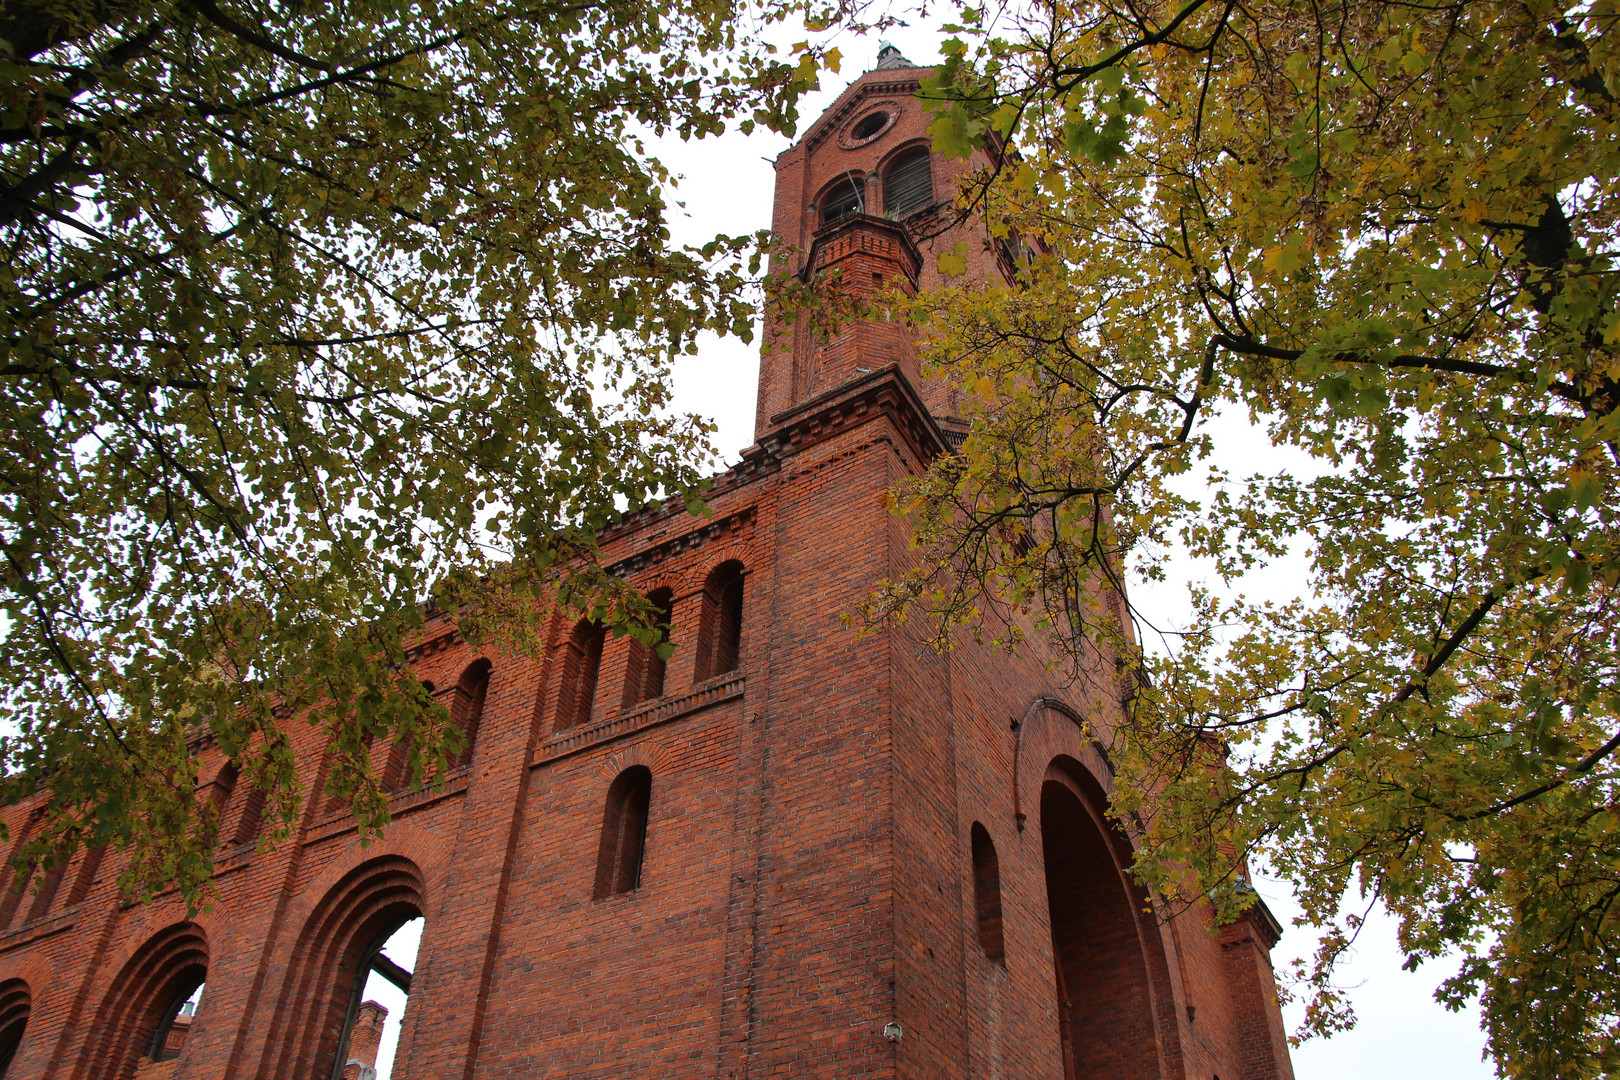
column 863, row 199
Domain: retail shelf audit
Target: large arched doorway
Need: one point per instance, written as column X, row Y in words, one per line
column 1104, row 994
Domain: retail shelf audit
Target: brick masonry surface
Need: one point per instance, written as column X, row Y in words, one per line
column 803, row 901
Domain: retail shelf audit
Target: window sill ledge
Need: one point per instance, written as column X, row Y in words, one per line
column 721, row 688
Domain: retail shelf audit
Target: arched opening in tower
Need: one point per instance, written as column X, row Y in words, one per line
column 1104, row 1003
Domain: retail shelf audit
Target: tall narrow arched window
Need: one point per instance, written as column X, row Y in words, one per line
column 624, row 832
column 50, row 880
column 468, row 711
column 987, row 894
column 846, row 197
column 89, row 871
column 336, row 801
column 644, row 675
column 246, row 828
column 377, row 1002
column 15, row 1003
column 19, row 877
column 720, row 631
column 908, row 186
column 581, row 662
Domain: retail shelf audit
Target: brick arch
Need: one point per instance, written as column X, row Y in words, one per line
column 167, row 964
column 367, row 900
column 419, row 847
column 905, row 149
column 854, row 179
column 1049, row 728
column 665, row 577
column 31, row 969
column 647, row 752
column 1113, row 972
column 690, row 581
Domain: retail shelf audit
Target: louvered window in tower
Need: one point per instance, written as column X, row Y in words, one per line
column 841, row 201
column 908, row 186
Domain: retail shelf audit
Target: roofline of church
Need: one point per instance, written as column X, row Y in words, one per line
column 892, row 80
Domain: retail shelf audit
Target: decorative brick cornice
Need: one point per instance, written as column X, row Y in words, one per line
column 39, row 928
column 732, row 526
column 1256, row 921
column 438, row 643
column 401, row 802
column 727, row 687
column 830, row 414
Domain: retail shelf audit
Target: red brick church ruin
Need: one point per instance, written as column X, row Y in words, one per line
column 786, row 852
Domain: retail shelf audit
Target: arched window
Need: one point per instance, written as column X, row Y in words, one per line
column 169, row 1040
column 14, row 1006
column 248, row 821
column 987, row 894
column 152, row 1005
column 19, row 877
column 335, row 801
column 358, row 945
column 468, row 710
column 89, row 870
column 846, row 197
column 624, row 832
column 908, row 186
column 50, row 880
column 720, row 630
column 582, row 661
column 377, row 1002
column 644, row 675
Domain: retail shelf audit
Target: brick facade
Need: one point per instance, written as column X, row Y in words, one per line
column 790, row 851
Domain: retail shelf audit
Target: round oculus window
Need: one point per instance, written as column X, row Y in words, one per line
column 869, row 125
column 879, row 118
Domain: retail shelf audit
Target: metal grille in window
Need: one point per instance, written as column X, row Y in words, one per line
column 908, row 187
column 844, row 200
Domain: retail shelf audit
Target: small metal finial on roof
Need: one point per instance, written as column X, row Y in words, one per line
column 889, row 57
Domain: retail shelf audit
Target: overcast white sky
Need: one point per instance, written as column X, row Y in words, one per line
column 728, row 188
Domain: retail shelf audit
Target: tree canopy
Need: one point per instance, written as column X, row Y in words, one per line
column 1385, row 234
column 313, row 315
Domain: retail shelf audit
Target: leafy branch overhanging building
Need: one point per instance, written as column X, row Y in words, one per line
column 786, row 852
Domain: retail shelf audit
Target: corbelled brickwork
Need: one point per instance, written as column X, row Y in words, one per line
column 789, row 852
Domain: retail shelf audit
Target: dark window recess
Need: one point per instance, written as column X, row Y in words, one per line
column 45, row 892
column 468, row 710
column 720, row 632
column 247, row 825
column 987, row 894
column 169, row 1041
column 869, row 125
column 644, row 675
column 624, row 832
column 842, row 201
column 14, row 1006
column 582, row 661
column 908, row 186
